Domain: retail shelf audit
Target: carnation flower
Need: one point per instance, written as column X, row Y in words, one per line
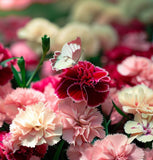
column 5, row 89
column 77, row 152
column 136, row 41
column 31, row 58
column 40, row 85
column 117, row 80
column 89, row 40
column 5, row 72
column 20, row 98
column 141, row 128
column 140, row 70
column 35, row 29
column 36, row 125
column 23, row 152
column 9, row 27
column 107, row 106
column 80, row 123
column 148, row 154
column 107, row 36
column 86, row 82
column 114, row 147
column 138, row 99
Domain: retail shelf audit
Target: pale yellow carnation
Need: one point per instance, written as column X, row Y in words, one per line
column 87, row 10
column 35, row 126
column 107, row 36
column 37, row 28
column 90, row 42
column 138, row 99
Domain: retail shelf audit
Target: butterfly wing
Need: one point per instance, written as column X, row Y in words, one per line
column 69, row 55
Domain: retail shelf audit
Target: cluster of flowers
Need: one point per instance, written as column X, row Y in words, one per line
column 84, row 112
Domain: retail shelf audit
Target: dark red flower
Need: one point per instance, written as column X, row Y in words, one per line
column 134, row 26
column 5, row 72
column 119, row 53
column 117, row 80
column 24, row 153
column 85, row 82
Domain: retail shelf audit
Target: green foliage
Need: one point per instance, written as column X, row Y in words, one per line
column 120, row 111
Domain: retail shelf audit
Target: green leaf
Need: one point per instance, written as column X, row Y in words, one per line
column 58, row 151
column 106, row 124
column 7, row 60
column 16, row 76
column 21, row 64
column 45, row 44
column 120, row 111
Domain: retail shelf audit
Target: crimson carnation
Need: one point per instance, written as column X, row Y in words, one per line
column 85, row 82
column 5, row 72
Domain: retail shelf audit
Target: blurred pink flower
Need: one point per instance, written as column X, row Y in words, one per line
column 36, row 125
column 20, row 98
column 84, row 81
column 14, row 4
column 80, row 123
column 9, row 27
column 31, row 58
column 19, row 4
column 5, row 89
column 114, row 147
column 77, row 152
column 139, row 68
column 40, row 85
column 136, row 41
column 148, row 154
column 46, row 69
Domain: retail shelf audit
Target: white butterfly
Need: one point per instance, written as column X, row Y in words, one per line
column 69, row 55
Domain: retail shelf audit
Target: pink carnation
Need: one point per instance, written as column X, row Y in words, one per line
column 37, row 125
column 23, row 153
column 108, row 109
column 136, row 41
column 46, row 70
column 20, row 98
column 139, row 68
column 148, row 154
column 80, row 123
column 77, row 152
column 85, row 82
column 114, row 147
column 5, row 89
column 5, row 72
column 9, row 27
column 117, row 80
column 22, row 49
column 40, row 85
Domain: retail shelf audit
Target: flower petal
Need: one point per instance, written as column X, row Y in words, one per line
column 75, row 92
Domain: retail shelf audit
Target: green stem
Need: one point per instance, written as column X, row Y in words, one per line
column 36, row 70
column 57, row 154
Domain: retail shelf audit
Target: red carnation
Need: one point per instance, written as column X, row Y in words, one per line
column 85, row 82
column 5, row 72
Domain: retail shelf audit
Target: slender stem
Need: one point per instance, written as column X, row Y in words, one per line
column 57, row 154
column 36, row 70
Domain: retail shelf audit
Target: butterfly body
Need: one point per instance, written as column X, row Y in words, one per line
column 69, row 55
